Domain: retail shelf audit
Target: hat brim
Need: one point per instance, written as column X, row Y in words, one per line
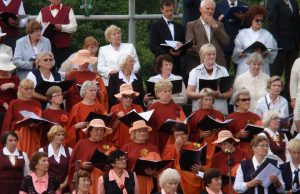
column 224, row 139
column 7, row 67
column 82, row 60
column 132, row 129
column 108, row 130
column 128, row 92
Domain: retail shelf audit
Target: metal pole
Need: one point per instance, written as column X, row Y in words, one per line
column 131, row 25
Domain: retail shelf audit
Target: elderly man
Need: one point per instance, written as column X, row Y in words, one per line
column 206, row 30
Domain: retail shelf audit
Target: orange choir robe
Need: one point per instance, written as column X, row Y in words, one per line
column 121, row 136
column 189, row 181
column 78, row 114
column 83, row 151
column 170, row 153
column 29, row 138
column 240, row 121
column 145, row 151
column 194, row 131
column 161, row 113
column 73, row 94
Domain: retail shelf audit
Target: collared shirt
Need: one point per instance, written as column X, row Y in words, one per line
column 265, row 104
column 209, row 191
column 293, row 168
column 124, row 79
column 230, row 3
column 240, row 186
column 21, row 11
column 163, row 192
column 40, row 185
column 207, row 29
column 12, row 159
column 61, row 152
column 171, row 27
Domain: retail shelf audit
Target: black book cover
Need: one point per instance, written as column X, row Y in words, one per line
column 177, row 87
column 208, row 123
column 105, row 118
column 99, row 160
column 190, row 157
column 45, row 85
column 141, row 165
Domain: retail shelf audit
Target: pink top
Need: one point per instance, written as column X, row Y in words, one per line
column 209, row 191
column 163, row 192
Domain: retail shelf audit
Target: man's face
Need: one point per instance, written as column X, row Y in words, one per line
column 168, row 11
column 207, row 10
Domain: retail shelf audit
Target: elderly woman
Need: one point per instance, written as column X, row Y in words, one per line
column 29, row 135
column 206, row 102
column 168, row 181
column 273, row 101
column 28, row 47
column 277, row 139
column 227, row 143
column 82, row 182
column 244, row 183
column 242, row 116
column 91, row 44
column 58, row 155
column 14, row 164
column 213, row 181
column 44, row 62
column 83, row 58
column 164, row 66
column 8, row 84
column 125, row 96
column 290, row 169
column 84, row 149
column 164, row 109
column 254, row 80
column 39, row 181
column 118, row 180
column 125, row 75
column 81, row 110
column 208, row 70
column 109, row 54
column 141, row 148
column 255, row 16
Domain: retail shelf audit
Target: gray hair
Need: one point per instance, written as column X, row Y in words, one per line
column 87, row 84
column 205, row 2
column 122, row 60
column 236, row 95
column 254, row 58
column 41, row 55
column 167, row 176
column 109, row 30
column 268, row 116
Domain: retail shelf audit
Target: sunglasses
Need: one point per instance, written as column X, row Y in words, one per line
column 48, row 60
column 245, row 99
column 259, row 20
column 128, row 96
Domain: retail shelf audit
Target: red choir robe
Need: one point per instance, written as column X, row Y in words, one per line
column 83, row 151
column 146, row 151
column 161, row 113
column 10, row 94
column 240, row 121
column 78, row 114
column 121, row 136
column 73, row 94
column 29, row 137
column 194, row 131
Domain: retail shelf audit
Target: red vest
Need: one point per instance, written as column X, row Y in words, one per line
column 278, row 150
column 13, row 7
column 60, row 39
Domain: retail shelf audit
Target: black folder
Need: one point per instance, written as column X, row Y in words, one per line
column 225, row 179
column 167, row 126
column 285, row 120
column 253, row 130
column 253, row 47
column 190, row 157
column 105, row 118
column 141, row 165
column 131, row 117
column 99, row 160
column 230, row 13
column 30, row 118
column 49, row 31
column 223, row 83
column 177, row 87
column 208, row 123
column 5, row 15
column 45, row 85
column 182, row 48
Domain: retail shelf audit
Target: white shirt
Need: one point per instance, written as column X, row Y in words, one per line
column 68, row 28
column 171, row 27
column 32, row 77
column 229, row 3
column 241, row 187
column 6, row 50
column 293, row 168
column 207, row 30
column 61, row 152
column 124, row 79
column 265, row 104
column 12, row 159
column 21, row 11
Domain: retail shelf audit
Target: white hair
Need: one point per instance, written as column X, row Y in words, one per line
column 205, row 2
column 167, row 176
column 268, row 116
column 87, row 84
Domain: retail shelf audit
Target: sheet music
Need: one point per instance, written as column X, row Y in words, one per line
column 264, row 175
column 146, row 115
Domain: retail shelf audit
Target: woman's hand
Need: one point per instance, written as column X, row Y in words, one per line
column 87, row 165
column 113, row 71
column 218, row 94
column 150, row 172
column 120, row 114
column 5, row 105
column 179, row 143
column 6, row 86
column 242, row 134
column 148, row 97
column 64, row 184
column 196, row 167
column 253, row 183
column 275, row 181
column 81, row 125
column 293, row 102
column 204, row 134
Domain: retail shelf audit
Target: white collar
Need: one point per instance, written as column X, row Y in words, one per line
column 255, row 162
column 270, row 132
column 269, row 101
column 293, row 168
column 171, row 76
column 7, row 153
column 166, row 20
column 202, row 21
column 60, row 152
column 131, row 79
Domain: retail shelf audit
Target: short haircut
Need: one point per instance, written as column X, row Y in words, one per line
column 169, row 175
column 254, row 11
column 162, row 84
column 268, row 116
column 179, row 126
column 51, row 91
column 166, row 3
column 159, row 61
column 90, row 41
column 237, row 94
column 109, row 30
column 41, row 55
column 205, row 2
column 54, row 130
column 34, row 160
column 87, row 84
column 273, row 79
column 25, row 83
column 209, row 174
column 114, row 156
column 205, row 92
column 80, row 174
column 293, row 145
column 254, row 58
column 122, row 60
column 32, row 26
column 205, row 49
column 5, row 135
column 256, row 140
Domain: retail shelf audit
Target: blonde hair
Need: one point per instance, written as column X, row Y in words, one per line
column 132, row 135
column 268, row 116
column 54, row 130
column 25, row 83
column 109, row 30
column 273, row 79
column 293, row 145
column 205, row 49
column 41, row 55
column 162, row 84
column 205, row 92
column 90, row 40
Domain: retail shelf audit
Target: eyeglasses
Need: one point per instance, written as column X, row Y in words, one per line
column 245, row 99
column 122, row 159
column 48, row 60
column 56, row 95
column 128, row 96
column 275, row 118
column 28, row 89
column 208, row 99
column 259, row 20
column 263, row 145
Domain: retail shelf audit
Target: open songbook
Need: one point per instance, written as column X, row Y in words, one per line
column 258, row 46
column 141, row 165
column 45, row 85
column 190, row 157
column 171, row 44
column 167, row 126
column 31, row 118
column 177, row 87
column 222, row 83
column 133, row 116
column 208, row 123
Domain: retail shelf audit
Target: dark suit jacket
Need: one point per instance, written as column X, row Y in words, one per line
column 287, row 175
column 190, row 11
column 284, row 24
column 195, row 30
column 114, row 87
